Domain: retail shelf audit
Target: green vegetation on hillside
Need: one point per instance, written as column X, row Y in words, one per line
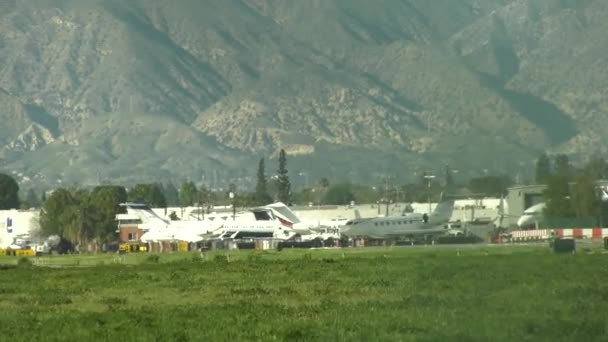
column 144, row 89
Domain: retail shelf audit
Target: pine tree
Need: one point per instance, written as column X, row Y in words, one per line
column 31, row 200
column 188, row 194
column 148, row 193
column 171, row 194
column 9, row 192
column 562, row 166
column 449, row 180
column 261, row 187
column 324, row 183
column 557, row 197
column 543, row 169
column 284, row 187
column 584, row 199
column 597, row 168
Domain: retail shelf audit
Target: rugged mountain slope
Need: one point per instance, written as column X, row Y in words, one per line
column 130, row 90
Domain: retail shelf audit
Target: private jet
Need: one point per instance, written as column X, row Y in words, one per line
column 409, row 225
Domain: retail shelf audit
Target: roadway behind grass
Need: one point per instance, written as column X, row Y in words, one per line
column 362, row 294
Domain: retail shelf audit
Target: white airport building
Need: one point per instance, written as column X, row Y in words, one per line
column 15, row 224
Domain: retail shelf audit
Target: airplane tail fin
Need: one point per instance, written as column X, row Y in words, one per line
column 148, row 218
column 604, row 193
column 443, row 210
column 284, row 212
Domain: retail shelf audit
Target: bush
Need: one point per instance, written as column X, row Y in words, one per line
column 24, row 262
column 153, row 259
column 254, row 257
column 114, row 303
column 196, row 257
column 220, row 258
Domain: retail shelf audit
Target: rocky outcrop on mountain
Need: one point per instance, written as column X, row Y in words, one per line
column 33, row 138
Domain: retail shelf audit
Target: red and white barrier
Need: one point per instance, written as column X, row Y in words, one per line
column 580, row 233
column 528, row 235
column 545, row 234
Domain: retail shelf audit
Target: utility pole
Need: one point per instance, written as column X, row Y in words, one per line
column 602, row 200
column 429, row 178
column 305, row 175
column 200, row 207
column 387, row 201
column 232, row 196
column 386, row 194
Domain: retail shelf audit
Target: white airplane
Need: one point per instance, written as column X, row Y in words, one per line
column 409, row 225
column 272, row 221
column 163, row 229
column 532, row 216
column 275, row 221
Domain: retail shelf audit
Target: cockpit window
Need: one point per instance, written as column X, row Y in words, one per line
column 262, row 216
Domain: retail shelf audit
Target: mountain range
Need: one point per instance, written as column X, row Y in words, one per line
column 95, row 91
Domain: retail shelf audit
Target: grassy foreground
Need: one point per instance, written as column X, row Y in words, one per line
column 427, row 294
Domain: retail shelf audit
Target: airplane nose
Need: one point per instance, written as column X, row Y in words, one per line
column 525, row 220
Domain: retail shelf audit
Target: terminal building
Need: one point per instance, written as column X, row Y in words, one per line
column 522, row 197
column 16, row 225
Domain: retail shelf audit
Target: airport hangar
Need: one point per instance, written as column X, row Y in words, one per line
column 522, row 197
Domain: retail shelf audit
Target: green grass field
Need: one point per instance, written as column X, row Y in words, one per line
column 428, row 294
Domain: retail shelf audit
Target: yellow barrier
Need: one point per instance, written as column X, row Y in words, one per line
column 2, row 252
column 182, row 246
column 25, row 253
column 143, row 248
column 125, row 247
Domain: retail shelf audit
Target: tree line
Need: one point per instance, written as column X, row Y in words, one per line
column 88, row 215
column 83, row 216
column 572, row 193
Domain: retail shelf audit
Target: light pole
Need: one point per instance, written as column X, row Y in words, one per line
column 275, row 180
column 232, row 196
column 305, row 175
column 603, row 196
column 429, row 178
